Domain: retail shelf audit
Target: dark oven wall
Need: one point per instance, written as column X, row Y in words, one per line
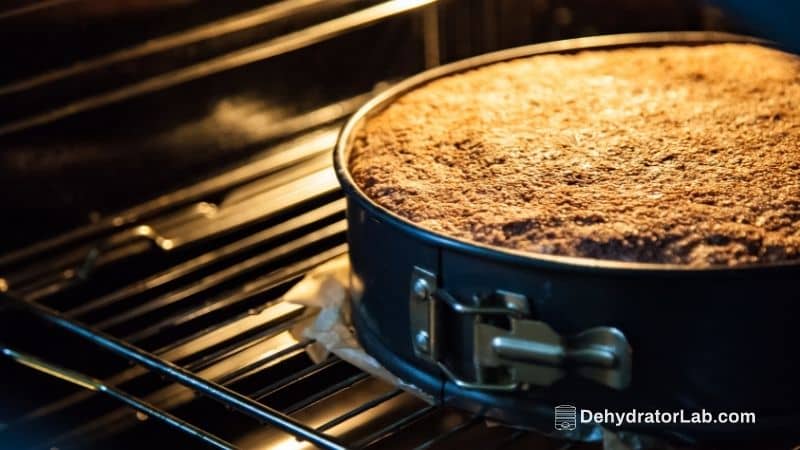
column 92, row 120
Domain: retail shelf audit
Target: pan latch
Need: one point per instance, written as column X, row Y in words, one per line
column 510, row 350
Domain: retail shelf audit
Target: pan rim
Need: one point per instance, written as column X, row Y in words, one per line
column 540, row 260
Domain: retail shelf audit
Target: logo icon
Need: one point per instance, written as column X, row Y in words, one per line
column 566, row 417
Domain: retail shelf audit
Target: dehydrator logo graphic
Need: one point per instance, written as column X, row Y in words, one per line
column 566, row 417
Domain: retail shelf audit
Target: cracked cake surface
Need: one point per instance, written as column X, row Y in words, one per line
column 677, row 154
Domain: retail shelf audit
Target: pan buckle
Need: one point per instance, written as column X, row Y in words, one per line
column 510, row 350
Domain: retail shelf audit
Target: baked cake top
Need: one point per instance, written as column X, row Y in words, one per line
column 678, row 154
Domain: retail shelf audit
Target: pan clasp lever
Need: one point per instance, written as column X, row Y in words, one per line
column 509, row 349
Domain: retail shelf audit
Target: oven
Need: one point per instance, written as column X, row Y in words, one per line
column 167, row 178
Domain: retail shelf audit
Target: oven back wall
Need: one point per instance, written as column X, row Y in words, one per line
column 60, row 171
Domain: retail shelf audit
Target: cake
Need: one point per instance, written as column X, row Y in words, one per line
column 684, row 155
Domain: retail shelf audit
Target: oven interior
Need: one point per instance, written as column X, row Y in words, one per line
column 167, row 177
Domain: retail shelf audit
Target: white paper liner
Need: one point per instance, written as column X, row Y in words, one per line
column 326, row 288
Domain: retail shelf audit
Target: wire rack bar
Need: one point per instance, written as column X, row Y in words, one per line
column 95, row 385
column 226, row 396
column 327, row 392
column 247, row 370
column 294, row 378
column 387, row 431
column 178, row 351
column 364, row 407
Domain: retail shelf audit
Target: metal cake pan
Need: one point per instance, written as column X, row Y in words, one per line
column 513, row 334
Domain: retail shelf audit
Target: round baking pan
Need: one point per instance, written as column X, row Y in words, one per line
column 601, row 335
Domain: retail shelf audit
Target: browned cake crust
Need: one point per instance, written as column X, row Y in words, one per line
column 683, row 155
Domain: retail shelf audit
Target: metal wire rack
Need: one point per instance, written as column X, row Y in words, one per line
column 163, row 324
column 212, row 325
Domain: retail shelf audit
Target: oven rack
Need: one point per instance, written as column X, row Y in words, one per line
column 141, row 317
column 220, row 324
